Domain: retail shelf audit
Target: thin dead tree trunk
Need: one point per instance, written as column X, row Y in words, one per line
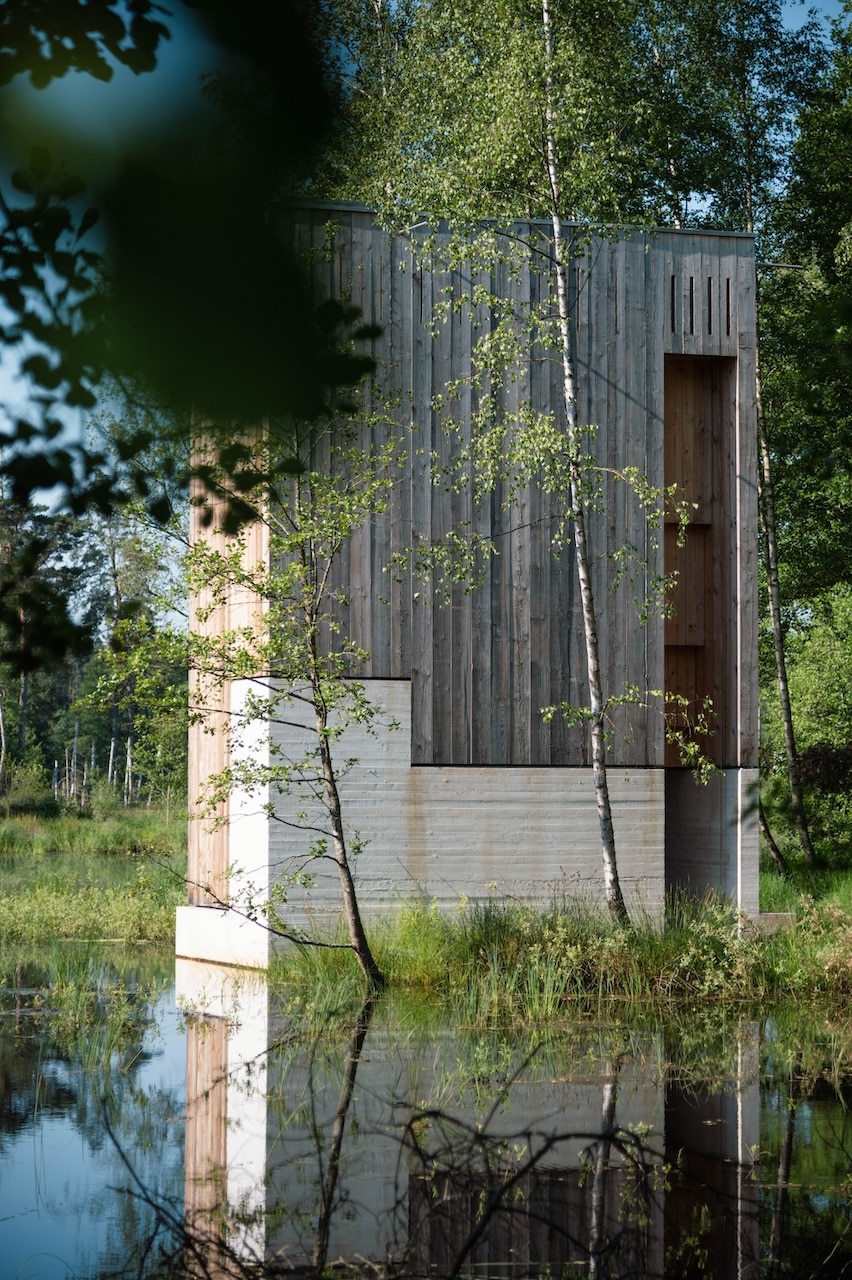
column 74, row 794
column 112, row 766
column 770, row 556
column 612, row 888
column 23, row 707
column 128, row 774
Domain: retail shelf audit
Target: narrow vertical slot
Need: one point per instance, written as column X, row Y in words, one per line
column 673, row 304
column 728, row 306
column 709, row 304
column 692, row 304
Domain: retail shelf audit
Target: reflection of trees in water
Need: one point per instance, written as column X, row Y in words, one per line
column 329, row 1176
column 468, row 1192
column 519, row 1203
column 74, row 1031
column 72, row 1040
column 477, row 1189
column 808, row 1204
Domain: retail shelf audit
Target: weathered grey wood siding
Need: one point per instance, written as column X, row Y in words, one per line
column 664, row 333
column 484, row 661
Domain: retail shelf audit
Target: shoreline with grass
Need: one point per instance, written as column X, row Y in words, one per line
column 121, row 878
column 493, row 962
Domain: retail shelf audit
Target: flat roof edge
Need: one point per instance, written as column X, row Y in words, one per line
column 353, row 206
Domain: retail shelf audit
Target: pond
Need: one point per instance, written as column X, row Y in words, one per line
column 162, row 1123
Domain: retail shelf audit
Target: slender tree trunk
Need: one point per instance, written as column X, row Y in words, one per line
column 329, row 1181
column 612, row 886
column 23, row 707
column 357, row 936
column 23, row 690
column 597, row 1217
column 778, row 857
column 770, row 555
column 75, row 746
column 2, row 745
column 128, row 774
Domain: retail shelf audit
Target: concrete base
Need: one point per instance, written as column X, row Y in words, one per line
column 448, row 835
column 769, row 922
column 711, row 836
column 222, row 937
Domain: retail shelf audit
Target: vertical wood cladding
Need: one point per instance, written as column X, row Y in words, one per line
column 663, row 327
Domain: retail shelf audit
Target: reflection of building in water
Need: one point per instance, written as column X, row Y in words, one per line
column 711, row 1140
column 227, row 1049
column 419, row 1162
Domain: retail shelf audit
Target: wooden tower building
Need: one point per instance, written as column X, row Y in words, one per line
column 475, row 791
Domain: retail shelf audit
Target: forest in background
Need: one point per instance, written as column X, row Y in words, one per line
column 680, row 114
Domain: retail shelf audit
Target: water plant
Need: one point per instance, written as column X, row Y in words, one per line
column 510, row 963
column 74, row 878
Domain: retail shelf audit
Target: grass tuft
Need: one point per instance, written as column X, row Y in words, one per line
column 508, row 963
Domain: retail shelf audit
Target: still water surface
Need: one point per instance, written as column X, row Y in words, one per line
column 137, row 1137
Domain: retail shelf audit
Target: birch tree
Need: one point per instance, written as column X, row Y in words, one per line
column 500, row 113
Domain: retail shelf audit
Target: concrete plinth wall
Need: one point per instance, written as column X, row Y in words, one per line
column 445, row 834
column 438, row 834
column 712, row 835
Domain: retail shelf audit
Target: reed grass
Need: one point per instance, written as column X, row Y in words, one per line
column 89, row 1003
column 119, row 879
column 507, row 962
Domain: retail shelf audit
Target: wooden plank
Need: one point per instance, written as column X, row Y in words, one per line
column 686, row 624
column 421, row 516
column 539, row 555
column 519, row 539
column 442, row 447
column 746, row 522
column 461, row 653
column 631, row 727
column 661, row 271
column 501, row 593
column 483, row 525
column 724, row 644
column 400, row 342
column 607, row 528
column 356, row 286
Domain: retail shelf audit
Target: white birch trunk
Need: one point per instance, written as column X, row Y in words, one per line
column 612, row 887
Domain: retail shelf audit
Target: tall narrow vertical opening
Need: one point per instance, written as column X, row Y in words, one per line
column 709, row 304
column 700, row 644
column 673, row 303
column 728, row 307
column 692, row 304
